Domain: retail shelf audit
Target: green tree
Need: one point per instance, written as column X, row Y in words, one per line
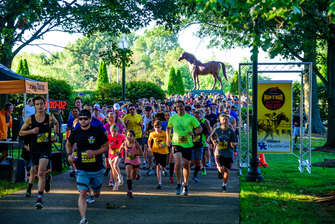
column 180, row 89
column 293, row 29
column 25, row 67
column 172, row 81
column 234, row 84
column 20, row 68
column 102, row 74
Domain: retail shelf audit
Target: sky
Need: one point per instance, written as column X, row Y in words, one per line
column 198, row 47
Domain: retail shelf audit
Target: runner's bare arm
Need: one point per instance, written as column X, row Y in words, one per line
column 53, row 120
column 120, row 121
column 24, row 129
column 168, row 134
column 103, row 149
column 140, row 153
column 69, row 149
column 198, row 130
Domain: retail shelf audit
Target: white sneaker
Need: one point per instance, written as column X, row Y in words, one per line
column 83, row 221
column 90, row 199
column 120, row 182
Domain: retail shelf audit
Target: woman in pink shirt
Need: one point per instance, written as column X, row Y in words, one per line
column 115, row 141
column 111, row 121
column 131, row 152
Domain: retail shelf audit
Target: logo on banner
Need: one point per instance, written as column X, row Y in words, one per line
column 273, row 98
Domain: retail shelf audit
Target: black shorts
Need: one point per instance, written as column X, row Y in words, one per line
column 134, row 166
column 3, row 146
column 42, row 155
column 160, row 159
column 186, row 152
column 205, row 149
column 224, row 161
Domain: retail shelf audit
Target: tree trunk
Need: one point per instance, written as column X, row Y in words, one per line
column 331, row 92
column 7, row 60
column 317, row 126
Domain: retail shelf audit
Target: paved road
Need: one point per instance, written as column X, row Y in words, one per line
column 204, row 204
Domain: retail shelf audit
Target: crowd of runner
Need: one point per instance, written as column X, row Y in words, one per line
column 176, row 133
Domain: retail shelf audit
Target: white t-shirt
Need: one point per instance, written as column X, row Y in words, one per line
column 30, row 110
column 145, row 121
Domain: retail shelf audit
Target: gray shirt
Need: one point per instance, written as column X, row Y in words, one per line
column 224, row 138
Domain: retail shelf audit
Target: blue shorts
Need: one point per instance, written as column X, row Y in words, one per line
column 197, row 153
column 87, row 179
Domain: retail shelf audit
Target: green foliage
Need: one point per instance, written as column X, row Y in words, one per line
column 20, row 69
column 234, row 84
column 25, row 67
column 180, row 89
column 109, row 93
column 102, row 74
column 172, row 81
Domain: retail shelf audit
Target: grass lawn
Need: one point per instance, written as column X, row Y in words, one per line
column 286, row 195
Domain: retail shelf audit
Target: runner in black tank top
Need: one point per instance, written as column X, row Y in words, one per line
column 41, row 142
column 40, row 146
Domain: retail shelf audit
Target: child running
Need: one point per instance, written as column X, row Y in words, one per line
column 115, row 140
column 131, row 152
column 159, row 149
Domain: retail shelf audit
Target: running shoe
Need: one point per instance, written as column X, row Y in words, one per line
column 90, row 199
column 224, row 189
column 178, row 189
column 130, row 194
column 204, row 171
column 28, row 193
column 110, row 184
column 220, row 176
column 73, row 174
column 83, row 221
column 165, row 173
column 116, row 187
column 171, row 180
column 38, row 204
column 185, row 190
column 107, row 172
column 120, row 180
column 208, row 164
column 138, row 175
column 155, row 172
column 195, row 180
column 48, row 183
column 159, row 186
column 144, row 165
column 149, row 172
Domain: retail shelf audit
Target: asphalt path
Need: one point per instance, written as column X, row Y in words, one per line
column 205, row 203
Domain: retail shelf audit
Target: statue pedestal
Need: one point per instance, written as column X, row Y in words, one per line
column 208, row 91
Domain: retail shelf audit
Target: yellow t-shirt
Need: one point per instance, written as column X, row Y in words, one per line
column 134, row 124
column 159, row 138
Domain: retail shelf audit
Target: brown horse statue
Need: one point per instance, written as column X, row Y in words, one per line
column 197, row 68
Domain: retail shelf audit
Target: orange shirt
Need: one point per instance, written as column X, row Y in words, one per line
column 159, row 138
column 5, row 122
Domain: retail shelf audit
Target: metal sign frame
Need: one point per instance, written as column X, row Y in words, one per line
column 244, row 84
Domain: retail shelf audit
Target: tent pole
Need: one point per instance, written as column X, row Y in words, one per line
column 48, row 103
column 24, row 106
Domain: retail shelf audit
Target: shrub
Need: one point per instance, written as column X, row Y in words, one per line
column 102, row 74
column 172, row 82
column 109, row 93
column 179, row 85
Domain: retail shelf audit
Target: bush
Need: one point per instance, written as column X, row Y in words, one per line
column 172, row 81
column 109, row 93
column 180, row 89
column 58, row 90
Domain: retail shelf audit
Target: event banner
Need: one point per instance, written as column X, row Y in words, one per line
column 274, row 117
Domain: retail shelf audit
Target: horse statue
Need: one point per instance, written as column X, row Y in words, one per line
column 197, row 68
column 271, row 128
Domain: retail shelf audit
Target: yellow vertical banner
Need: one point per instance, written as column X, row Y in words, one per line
column 274, row 117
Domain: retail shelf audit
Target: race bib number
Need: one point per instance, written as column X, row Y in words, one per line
column 85, row 159
column 223, row 145
column 197, row 138
column 131, row 157
column 42, row 137
column 114, row 151
column 182, row 139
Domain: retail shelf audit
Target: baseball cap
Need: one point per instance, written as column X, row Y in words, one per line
column 85, row 113
column 116, row 106
column 96, row 105
column 244, row 91
column 139, row 100
column 80, row 94
column 98, row 108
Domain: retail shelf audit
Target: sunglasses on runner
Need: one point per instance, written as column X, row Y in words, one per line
column 132, row 109
column 83, row 118
column 157, row 126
